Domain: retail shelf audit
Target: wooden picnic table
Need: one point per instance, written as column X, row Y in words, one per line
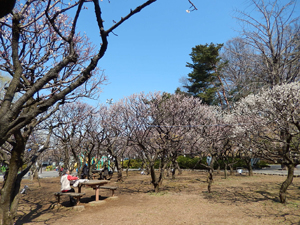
column 95, row 184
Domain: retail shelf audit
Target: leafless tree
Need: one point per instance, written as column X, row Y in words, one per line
column 267, row 51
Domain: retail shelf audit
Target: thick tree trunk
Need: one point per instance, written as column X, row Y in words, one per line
column 286, row 183
column 119, row 170
column 225, row 171
column 178, row 167
column 127, row 169
column 231, row 169
column 10, row 191
column 34, row 172
column 210, row 179
column 210, row 175
column 219, row 169
column 173, row 173
column 168, row 172
column 249, row 167
column 161, row 174
column 153, row 179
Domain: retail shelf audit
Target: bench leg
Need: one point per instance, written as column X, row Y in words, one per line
column 58, row 199
column 112, row 193
column 77, row 200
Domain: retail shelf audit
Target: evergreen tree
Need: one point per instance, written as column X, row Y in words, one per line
column 204, row 81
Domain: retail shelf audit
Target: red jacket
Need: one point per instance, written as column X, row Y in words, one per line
column 65, row 182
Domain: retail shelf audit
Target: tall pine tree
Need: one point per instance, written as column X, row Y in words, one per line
column 204, row 81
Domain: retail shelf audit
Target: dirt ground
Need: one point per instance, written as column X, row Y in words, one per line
column 185, row 200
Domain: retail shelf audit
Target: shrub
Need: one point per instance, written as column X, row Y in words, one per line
column 49, row 168
column 241, row 163
column 24, row 166
column 238, row 163
column 2, row 169
column 261, row 164
column 134, row 163
column 190, row 163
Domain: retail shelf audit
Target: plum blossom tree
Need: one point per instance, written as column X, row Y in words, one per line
column 161, row 125
column 215, row 138
column 241, row 141
column 144, row 136
column 274, row 126
column 48, row 61
column 74, row 124
column 115, row 121
column 173, row 116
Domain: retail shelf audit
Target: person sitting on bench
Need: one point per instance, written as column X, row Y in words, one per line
column 65, row 184
column 65, row 181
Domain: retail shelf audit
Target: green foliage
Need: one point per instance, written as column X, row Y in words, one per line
column 238, row 163
column 241, row 163
column 137, row 163
column 190, row 163
column 2, row 169
column 261, row 164
column 133, row 164
column 24, row 166
column 49, row 168
column 193, row 163
column 204, row 80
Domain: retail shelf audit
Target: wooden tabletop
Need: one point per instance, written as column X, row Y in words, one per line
column 95, row 182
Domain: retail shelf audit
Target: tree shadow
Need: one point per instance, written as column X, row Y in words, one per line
column 35, row 212
column 240, row 195
column 268, row 196
column 135, row 190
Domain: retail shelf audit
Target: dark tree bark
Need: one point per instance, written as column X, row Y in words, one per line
column 286, row 183
column 225, row 170
column 153, row 178
column 157, row 181
column 210, row 175
column 210, row 179
column 119, row 169
column 178, row 167
column 10, row 191
column 128, row 165
column 249, row 166
column 175, row 167
column 231, row 169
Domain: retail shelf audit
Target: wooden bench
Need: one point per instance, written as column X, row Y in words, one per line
column 110, row 188
column 71, row 194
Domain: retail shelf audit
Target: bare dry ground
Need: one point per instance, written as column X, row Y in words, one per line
column 185, row 200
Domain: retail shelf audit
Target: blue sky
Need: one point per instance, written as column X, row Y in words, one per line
column 152, row 48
